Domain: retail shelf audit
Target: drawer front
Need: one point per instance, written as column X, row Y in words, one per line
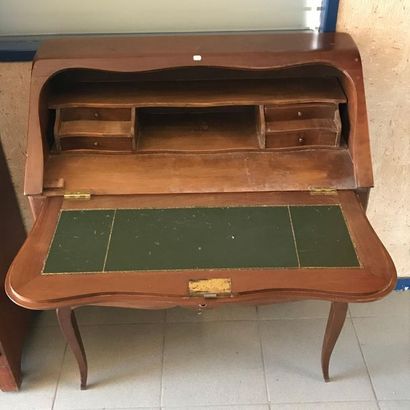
column 299, row 111
column 97, row 144
column 101, row 114
column 301, row 139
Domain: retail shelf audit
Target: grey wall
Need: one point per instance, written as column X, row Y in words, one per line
column 382, row 31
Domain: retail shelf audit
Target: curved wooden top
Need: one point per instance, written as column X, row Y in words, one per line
column 150, row 52
column 151, row 289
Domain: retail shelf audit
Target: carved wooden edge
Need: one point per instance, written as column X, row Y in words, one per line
column 35, row 291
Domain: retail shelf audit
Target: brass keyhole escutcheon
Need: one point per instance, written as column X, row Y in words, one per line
column 201, row 308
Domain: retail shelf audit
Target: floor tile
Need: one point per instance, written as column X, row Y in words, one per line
column 41, row 366
column 356, row 405
column 124, row 368
column 294, row 310
column 292, row 362
column 101, row 315
column 45, row 318
column 236, row 407
column 213, row 363
column 394, row 405
column 124, row 408
column 385, row 342
column 108, row 315
column 395, row 304
column 131, row 408
column 227, row 312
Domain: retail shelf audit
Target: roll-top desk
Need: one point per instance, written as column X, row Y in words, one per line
column 198, row 170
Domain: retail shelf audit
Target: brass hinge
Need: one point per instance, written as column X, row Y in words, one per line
column 84, row 196
column 210, row 288
column 323, row 191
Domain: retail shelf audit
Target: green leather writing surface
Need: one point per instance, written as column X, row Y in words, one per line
column 322, row 237
column 200, row 238
column 80, row 242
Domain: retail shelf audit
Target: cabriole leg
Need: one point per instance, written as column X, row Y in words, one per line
column 69, row 327
column 337, row 316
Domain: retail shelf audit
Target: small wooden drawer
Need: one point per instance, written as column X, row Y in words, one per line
column 300, row 111
column 97, row 144
column 298, row 125
column 301, row 138
column 101, row 129
column 95, row 114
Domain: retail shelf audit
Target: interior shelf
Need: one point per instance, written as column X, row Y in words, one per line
column 197, row 115
column 197, row 93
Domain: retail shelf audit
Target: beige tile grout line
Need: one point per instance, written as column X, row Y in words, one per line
column 258, row 324
column 109, row 240
column 59, row 376
column 294, row 236
column 215, row 406
column 365, row 363
column 161, row 383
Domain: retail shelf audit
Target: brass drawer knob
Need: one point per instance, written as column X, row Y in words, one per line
column 301, row 140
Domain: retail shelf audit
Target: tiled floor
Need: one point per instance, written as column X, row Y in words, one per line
column 245, row 358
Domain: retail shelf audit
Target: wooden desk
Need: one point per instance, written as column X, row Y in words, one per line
column 161, row 180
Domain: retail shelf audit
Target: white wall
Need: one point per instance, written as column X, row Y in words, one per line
column 130, row 16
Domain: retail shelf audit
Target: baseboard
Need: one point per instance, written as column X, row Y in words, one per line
column 403, row 283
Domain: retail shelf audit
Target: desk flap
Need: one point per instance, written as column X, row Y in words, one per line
column 109, row 249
